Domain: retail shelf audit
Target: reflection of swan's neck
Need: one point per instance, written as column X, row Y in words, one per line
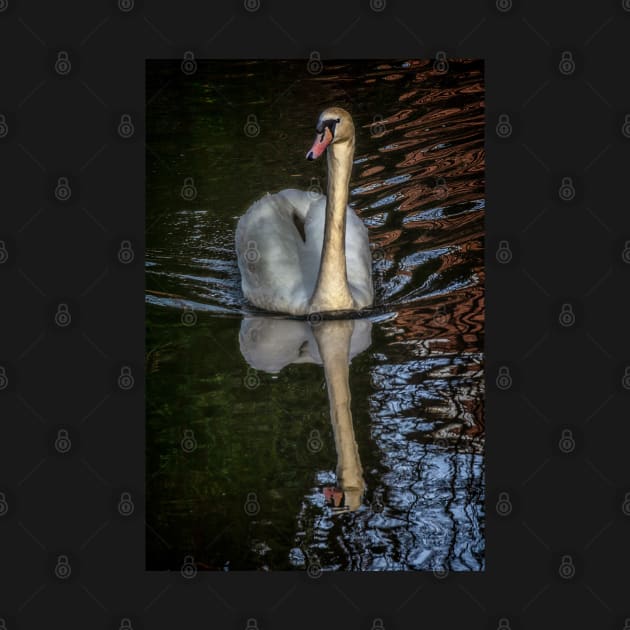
column 333, row 341
column 332, row 292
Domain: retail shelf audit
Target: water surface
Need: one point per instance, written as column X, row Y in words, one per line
column 241, row 458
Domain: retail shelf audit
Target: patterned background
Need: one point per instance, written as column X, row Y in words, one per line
column 72, row 351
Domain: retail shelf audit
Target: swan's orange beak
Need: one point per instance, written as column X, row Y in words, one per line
column 322, row 140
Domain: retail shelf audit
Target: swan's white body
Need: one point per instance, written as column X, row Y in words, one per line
column 279, row 270
column 301, row 252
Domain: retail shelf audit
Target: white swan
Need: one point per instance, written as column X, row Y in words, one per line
column 300, row 252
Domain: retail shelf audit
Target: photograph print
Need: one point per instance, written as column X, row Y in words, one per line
column 315, row 315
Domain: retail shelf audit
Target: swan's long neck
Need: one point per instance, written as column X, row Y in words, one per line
column 333, row 341
column 332, row 292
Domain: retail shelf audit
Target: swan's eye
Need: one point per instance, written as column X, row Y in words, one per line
column 330, row 123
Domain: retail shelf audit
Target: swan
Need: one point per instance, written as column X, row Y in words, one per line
column 301, row 252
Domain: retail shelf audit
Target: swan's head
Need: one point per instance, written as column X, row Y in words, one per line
column 334, row 126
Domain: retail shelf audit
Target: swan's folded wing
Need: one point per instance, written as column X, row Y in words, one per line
column 269, row 253
column 301, row 200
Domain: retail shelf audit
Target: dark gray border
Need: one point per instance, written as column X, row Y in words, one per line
column 556, row 445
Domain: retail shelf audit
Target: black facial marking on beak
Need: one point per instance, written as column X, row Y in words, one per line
column 310, row 155
column 330, row 123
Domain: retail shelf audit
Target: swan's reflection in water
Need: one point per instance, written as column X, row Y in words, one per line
column 270, row 344
column 410, row 496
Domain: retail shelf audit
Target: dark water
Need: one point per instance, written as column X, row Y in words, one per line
column 241, row 462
